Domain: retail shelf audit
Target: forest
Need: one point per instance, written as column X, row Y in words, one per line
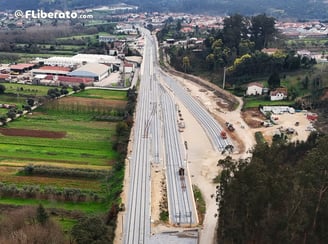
column 280, row 195
column 237, row 47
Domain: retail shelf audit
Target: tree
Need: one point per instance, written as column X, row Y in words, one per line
column 150, row 27
column 27, row 107
column 91, row 230
column 41, row 215
column 11, row 114
column 64, row 91
column 53, row 92
column 3, row 119
column 262, row 30
column 30, row 102
column 314, row 181
column 185, row 63
column 234, row 30
column 121, row 128
column 20, row 226
column 2, row 89
column 75, row 88
column 274, row 80
column 82, row 86
column 305, row 82
column 280, row 195
column 178, row 27
column 246, row 47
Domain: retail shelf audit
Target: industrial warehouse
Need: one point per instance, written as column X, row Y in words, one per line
column 89, row 69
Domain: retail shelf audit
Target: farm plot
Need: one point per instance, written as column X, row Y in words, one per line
column 11, row 100
column 71, row 144
column 103, row 94
column 27, row 90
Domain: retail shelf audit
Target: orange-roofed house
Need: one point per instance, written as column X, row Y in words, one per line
column 278, row 94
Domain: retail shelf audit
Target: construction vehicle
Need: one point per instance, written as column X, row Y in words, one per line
column 230, row 126
column 223, row 134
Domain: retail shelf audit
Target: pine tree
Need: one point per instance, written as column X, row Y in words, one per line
column 41, row 215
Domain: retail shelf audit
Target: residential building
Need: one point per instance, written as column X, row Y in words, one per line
column 254, row 88
column 278, row 94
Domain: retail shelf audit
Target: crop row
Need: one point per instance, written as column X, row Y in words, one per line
column 48, row 193
column 64, row 172
column 77, row 108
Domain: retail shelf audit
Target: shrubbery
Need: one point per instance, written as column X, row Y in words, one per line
column 63, row 172
column 48, row 193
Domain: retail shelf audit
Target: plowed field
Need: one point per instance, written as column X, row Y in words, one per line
column 32, row 133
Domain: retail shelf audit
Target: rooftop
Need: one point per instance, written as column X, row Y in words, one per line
column 255, row 84
column 90, row 70
column 55, row 68
column 21, row 66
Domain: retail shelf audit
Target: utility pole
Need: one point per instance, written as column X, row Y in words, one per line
column 224, row 77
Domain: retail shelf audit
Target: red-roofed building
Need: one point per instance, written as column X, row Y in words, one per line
column 55, row 68
column 67, row 80
column 56, row 80
column 51, row 70
column 187, row 30
column 20, row 68
column 4, row 77
column 278, row 94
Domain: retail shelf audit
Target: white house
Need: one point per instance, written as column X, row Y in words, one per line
column 278, row 94
column 254, row 88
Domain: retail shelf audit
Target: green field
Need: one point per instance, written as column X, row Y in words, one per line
column 103, row 94
column 87, row 208
column 255, row 102
column 26, row 90
column 77, row 37
column 83, row 143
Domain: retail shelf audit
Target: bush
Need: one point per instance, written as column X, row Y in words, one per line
column 259, row 138
column 63, row 172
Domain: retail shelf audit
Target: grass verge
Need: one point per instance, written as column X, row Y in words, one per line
column 200, row 203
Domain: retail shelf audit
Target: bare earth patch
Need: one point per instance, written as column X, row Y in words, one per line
column 32, row 133
column 92, row 101
column 253, row 117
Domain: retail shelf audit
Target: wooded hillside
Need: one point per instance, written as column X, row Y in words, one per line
column 278, row 196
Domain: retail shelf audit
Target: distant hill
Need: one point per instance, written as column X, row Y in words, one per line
column 300, row 9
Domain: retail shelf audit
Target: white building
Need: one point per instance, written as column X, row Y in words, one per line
column 80, row 59
column 254, row 88
column 91, row 70
column 278, row 94
column 107, row 38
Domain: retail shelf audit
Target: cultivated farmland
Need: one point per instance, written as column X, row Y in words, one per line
column 62, row 155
